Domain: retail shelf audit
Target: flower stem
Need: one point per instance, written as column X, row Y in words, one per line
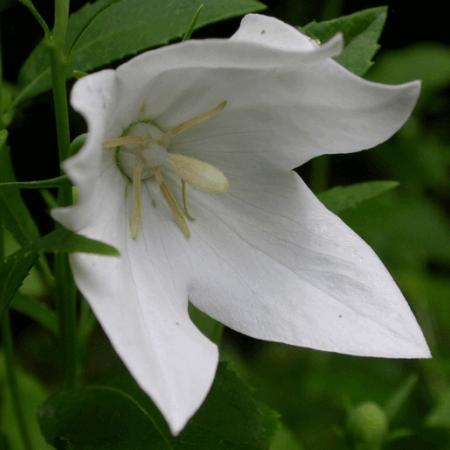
column 65, row 288
column 11, row 380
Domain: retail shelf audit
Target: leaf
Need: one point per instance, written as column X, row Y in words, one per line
column 13, row 271
column 15, row 215
column 399, row 398
column 16, row 266
column 230, row 419
column 32, row 394
column 109, row 30
column 37, row 311
column 34, row 284
column 66, row 241
column 425, row 61
column 284, row 440
column 407, row 229
column 211, row 328
column 339, row 198
column 99, row 418
column 361, row 32
column 440, row 415
column 39, row 184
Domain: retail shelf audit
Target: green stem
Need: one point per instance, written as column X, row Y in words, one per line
column 2, row 125
column 66, row 306
column 65, row 288
column 29, row 4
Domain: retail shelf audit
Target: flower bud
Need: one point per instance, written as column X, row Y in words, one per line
column 367, row 426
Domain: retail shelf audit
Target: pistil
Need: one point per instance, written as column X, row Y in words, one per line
column 136, row 209
column 147, row 146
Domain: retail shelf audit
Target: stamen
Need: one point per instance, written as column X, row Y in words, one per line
column 125, row 140
column 197, row 120
column 136, row 211
column 184, row 196
column 171, row 201
column 199, row 174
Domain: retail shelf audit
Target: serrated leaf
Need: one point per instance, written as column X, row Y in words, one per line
column 99, row 418
column 340, row 198
column 361, row 32
column 15, row 268
column 15, row 215
column 109, row 30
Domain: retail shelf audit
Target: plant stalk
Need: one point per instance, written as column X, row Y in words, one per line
column 65, row 287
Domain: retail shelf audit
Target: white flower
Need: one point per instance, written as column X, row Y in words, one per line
column 232, row 118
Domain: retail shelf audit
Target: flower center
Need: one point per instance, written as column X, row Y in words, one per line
column 143, row 152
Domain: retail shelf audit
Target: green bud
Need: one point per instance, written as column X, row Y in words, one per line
column 367, row 426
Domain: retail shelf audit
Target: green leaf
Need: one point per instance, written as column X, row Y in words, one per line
column 440, row 415
column 109, row 30
column 284, row 440
column 32, row 394
column 230, row 419
column 407, row 229
column 15, row 268
column 361, row 32
column 39, row 184
column 13, row 271
column 37, row 311
column 66, row 241
column 99, row 418
column 399, row 398
column 211, row 328
column 339, row 198
column 425, row 61
column 15, row 215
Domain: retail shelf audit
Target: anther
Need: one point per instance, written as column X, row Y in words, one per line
column 199, row 174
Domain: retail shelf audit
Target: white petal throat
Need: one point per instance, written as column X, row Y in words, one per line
column 143, row 152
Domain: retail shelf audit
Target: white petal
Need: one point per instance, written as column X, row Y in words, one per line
column 141, row 302
column 139, row 298
column 300, row 106
column 272, row 32
column 274, row 264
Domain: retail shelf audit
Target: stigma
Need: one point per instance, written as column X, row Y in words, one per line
column 143, row 153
